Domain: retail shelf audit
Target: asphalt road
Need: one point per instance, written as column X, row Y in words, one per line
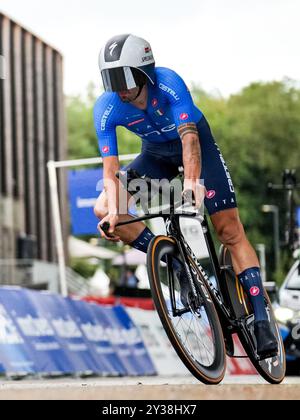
column 154, row 388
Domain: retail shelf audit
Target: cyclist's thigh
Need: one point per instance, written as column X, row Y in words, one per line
column 215, row 173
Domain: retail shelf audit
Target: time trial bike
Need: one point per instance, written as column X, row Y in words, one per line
column 201, row 329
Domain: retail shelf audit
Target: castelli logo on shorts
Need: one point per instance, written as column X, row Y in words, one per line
column 154, row 102
column 105, row 149
column 184, row 116
column 210, row 194
column 254, row 291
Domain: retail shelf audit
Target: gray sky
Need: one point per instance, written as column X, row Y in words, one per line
column 221, row 44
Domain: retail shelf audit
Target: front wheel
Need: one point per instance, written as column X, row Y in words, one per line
column 196, row 334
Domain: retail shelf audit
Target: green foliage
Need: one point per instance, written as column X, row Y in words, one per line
column 258, row 131
column 82, row 139
column 128, row 142
column 83, row 267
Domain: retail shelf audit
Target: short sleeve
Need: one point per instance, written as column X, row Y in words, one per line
column 105, row 127
column 179, row 97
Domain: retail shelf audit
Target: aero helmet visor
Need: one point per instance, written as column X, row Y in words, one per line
column 118, row 79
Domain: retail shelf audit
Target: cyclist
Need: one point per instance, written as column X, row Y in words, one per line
column 154, row 103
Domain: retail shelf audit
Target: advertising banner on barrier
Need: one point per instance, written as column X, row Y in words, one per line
column 124, row 339
column 99, row 343
column 62, row 320
column 47, row 353
column 43, row 333
column 113, row 333
column 165, row 359
column 135, row 342
column 16, row 358
column 85, row 186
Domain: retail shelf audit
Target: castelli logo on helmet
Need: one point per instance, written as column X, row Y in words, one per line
column 184, row 116
column 105, row 149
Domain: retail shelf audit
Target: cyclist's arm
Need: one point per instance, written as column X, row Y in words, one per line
column 105, row 126
column 192, row 161
column 185, row 116
column 191, row 150
column 111, row 183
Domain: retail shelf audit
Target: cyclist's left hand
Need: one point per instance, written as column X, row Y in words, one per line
column 198, row 189
column 113, row 220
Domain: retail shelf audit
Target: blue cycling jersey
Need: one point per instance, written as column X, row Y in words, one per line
column 169, row 105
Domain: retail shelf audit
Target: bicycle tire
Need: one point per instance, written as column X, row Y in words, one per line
column 262, row 367
column 210, row 375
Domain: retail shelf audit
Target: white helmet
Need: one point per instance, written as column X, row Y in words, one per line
column 126, row 62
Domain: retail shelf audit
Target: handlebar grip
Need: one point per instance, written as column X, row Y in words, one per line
column 105, row 227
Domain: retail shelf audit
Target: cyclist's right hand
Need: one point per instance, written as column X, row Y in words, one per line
column 113, row 220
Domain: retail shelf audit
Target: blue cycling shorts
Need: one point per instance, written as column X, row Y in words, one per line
column 163, row 160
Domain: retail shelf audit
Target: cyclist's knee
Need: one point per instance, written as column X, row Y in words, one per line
column 101, row 206
column 231, row 232
column 100, row 212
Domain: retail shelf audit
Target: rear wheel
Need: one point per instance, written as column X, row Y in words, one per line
column 273, row 369
column 196, row 335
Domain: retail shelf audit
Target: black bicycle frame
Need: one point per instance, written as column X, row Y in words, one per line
column 172, row 224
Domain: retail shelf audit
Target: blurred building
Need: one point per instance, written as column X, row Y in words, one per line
column 32, row 132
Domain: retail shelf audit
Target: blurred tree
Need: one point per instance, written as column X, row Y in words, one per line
column 258, row 131
column 83, row 267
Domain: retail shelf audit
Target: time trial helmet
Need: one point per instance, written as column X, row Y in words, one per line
column 126, row 62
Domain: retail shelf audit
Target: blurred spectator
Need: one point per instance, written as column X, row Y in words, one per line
column 129, row 280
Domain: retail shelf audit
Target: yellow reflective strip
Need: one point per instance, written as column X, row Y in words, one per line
column 243, row 297
column 237, row 285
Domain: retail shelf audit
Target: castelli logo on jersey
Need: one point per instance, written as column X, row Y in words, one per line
column 210, row 194
column 184, row 116
column 105, row 149
column 254, row 291
column 154, row 102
